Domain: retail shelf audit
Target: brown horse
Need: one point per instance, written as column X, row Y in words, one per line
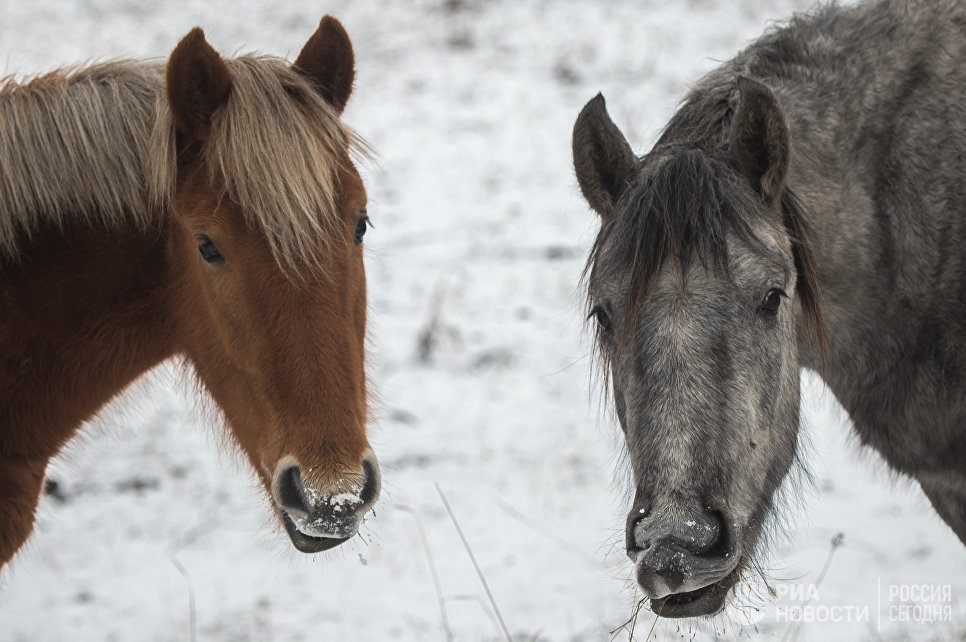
column 209, row 210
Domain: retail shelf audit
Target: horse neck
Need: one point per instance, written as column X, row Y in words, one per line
column 83, row 316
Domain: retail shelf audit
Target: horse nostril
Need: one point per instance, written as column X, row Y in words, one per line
column 290, row 490
column 632, row 544
column 328, row 502
column 696, row 531
column 701, row 533
column 371, row 485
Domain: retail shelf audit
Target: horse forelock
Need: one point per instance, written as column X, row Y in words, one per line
column 277, row 148
column 679, row 210
column 99, row 143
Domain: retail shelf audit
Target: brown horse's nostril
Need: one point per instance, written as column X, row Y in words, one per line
column 370, row 488
column 290, row 490
column 341, row 500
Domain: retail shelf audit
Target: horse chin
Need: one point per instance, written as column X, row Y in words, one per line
column 704, row 601
column 309, row 543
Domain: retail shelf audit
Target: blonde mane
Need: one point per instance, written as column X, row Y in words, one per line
column 99, row 143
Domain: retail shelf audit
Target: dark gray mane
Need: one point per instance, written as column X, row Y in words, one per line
column 681, row 208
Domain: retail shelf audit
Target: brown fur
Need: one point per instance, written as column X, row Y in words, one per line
column 102, row 202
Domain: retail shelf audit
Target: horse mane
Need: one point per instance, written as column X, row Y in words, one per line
column 75, row 142
column 99, row 143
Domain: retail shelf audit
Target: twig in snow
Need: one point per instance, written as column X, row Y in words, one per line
column 834, row 545
column 192, row 619
column 479, row 572
column 632, row 621
column 479, row 601
column 437, row 586
column 657, row 616
column 428, row 336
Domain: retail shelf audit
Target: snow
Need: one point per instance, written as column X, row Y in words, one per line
column 338, row 501
column 480, row 366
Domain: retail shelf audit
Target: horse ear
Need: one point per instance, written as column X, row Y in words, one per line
column 198, row 83
column 328, row 61
column 603, row 159
column 760, row 140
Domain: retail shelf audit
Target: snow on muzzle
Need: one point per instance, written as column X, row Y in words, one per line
column 319, row 518
column 686, row 562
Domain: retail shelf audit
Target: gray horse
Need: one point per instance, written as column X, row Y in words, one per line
column 805, row 207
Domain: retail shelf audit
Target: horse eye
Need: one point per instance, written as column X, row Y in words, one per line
column 210, row 253
column 602, row 319
column 771, row 302
column 361, row 228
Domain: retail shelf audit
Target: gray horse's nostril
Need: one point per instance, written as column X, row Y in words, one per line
column 681, row 550
column 631, row 544
column 698, row 532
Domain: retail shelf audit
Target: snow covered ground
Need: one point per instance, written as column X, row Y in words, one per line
column 159, row 532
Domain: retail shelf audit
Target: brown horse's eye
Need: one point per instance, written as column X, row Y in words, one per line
column 210, row 253
column 771, row 302
column 361, row 227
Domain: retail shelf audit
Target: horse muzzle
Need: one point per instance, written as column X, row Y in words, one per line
column 317, row 519
column 685, row 565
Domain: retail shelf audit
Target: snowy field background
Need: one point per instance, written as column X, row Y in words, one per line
column 159, row 532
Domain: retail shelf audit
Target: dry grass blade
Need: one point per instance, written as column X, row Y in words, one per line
column 479, row 572
column 657, row 616
column 192, row 617
column 834, row 545
column 631, row 622
column 437, row 585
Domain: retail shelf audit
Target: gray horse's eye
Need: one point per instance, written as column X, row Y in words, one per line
column 602, row 319
column 771, row 302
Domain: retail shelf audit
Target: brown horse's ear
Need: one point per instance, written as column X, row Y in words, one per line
column 760, row 140
column 603, row 159
column 327, row 60
column 198, row 83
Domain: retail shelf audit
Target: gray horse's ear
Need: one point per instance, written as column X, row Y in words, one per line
column 328, row 61
column 759, row 140
column 603, row 159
